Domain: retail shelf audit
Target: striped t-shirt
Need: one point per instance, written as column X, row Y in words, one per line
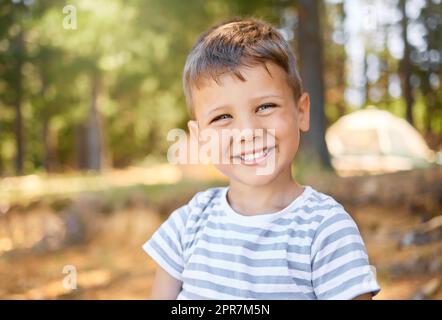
column 312, row 249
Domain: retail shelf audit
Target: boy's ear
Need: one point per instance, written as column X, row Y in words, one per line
column 193, row 129
column 304, row 112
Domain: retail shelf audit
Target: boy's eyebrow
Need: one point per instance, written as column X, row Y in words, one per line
column 253, row 99
column 272, row 95
column 217, row 108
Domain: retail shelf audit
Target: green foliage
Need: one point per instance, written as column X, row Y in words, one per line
column 133, row 52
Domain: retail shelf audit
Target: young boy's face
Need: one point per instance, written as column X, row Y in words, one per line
column 262, row 114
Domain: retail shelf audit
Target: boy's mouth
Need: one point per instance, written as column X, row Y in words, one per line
column 254, row 157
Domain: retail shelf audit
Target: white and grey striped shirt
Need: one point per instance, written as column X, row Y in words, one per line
column 312, row 249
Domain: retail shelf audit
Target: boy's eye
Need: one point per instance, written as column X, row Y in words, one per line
column 221, row 117
column 264, row 107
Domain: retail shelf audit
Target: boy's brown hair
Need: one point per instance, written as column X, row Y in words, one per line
column 233, row 44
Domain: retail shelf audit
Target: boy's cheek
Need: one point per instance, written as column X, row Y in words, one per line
column 284, row 124
column 287, row 140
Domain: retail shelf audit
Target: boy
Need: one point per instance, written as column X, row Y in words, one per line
column 264, row 236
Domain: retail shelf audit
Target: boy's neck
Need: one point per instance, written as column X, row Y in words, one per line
column 272, row 197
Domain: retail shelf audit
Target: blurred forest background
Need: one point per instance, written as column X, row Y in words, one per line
column 90, row 89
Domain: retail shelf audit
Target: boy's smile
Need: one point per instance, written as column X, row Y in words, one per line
column 254, row 157
column 262, row 115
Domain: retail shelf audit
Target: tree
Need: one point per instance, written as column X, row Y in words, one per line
column 310, row 54
column 11, row 72
column 405, row 68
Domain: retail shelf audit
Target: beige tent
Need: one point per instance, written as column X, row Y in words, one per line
column 375, row 141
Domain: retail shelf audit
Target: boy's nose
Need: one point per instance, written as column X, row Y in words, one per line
column 248, row 123
column 247, row 135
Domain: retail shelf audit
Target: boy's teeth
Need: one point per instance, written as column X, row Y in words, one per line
column 252, row 156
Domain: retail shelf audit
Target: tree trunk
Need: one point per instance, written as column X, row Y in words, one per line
column 18, row 124
column 93, row 131
column 80, row 146
column 18, row 131
column 405, row 66
column 367, row 83
column 2, row 165
column 49, row 142
column 310, row 54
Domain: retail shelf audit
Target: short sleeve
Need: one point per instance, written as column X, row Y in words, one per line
column 166, row 244
column 340, row 265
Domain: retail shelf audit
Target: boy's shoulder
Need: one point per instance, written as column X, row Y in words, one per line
column 333, row 220
column 205, row 199
column 200, row 202
column 325, row 207
column 320, row 202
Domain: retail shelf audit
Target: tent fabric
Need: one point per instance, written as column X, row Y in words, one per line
column 375, row 140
